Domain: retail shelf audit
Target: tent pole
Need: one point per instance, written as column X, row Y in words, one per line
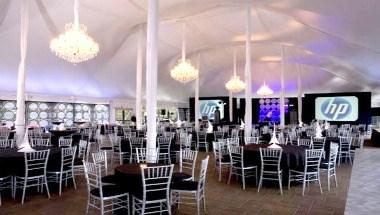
column 139, row 68
column 282, row 93
column 196, row 103
column 248, row 78
column 299, row 94
column 151, row 79
column 20, row 113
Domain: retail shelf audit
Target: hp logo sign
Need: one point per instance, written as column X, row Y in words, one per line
column 342, row 108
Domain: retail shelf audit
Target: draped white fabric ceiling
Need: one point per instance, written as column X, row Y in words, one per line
column 335, row 43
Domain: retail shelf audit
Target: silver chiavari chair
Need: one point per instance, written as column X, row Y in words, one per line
column 310, row 171
column 192, row 192
column 66, row 170
column 105, row 198
column 154, row 180
column 270, row 166
column 35, row 173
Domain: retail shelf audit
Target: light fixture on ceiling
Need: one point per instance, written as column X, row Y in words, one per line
column 74, row 45
column 235, row 85
column 264, row 90
column 184, row 72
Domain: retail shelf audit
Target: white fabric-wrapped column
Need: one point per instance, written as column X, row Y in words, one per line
column 112, row 118
column 299, row 94
column 20, row 114
column 230, row 106
column 248, row 79
column 151, row 79
column 282, row 93
column 196, row 102
column 139, row 68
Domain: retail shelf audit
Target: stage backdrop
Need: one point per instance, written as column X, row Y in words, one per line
column 338, row 108
column 208, row 105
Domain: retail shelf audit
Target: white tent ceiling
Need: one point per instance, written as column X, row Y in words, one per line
column 335, row 43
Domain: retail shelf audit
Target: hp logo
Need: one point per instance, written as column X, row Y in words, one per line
column 207, row 108
column 336, row 108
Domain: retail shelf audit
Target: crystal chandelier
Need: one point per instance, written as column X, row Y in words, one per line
column 235, row 85
column 184, row 72
column 264, row 90
column 74, row 45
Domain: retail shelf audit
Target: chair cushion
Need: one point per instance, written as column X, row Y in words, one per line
column 78, row 161
column 106, row 148
column 180, row 176
column 226, row 158
column 108, row 190
column 185, row 185
column 109, row 179
column 152, row 196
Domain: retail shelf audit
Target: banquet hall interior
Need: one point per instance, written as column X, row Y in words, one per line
column 189, row 107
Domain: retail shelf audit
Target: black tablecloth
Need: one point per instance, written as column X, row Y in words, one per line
column 292, row 156
column 13, row 162
column 56, row 134
column 128, row 177
column 375, row 138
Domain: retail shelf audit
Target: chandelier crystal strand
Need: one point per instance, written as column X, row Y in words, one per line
column 235, row 85
column 184, row 72
column 264, row 90
column 74, row 45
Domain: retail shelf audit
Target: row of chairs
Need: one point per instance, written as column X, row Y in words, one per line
column 158, row 194
column 37, row 174
column 231, row 157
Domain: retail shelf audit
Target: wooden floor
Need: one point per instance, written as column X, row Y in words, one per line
column 221, row 198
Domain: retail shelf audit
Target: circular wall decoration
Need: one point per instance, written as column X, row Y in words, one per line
column 33, row 106
column 8, row 115
column 78, row 116
column 9, row 105
column 61, row 115
column 98, row 108
column 43, row 115
column 69, row 123
column 69, row 115
column 85, row 107
column 33, row 115
column 43, row 123
column 43, row 106
column 86, row 116
column 69, row 107
column 61, row 107
column 78, row 108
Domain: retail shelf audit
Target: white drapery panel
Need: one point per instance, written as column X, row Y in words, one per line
column 248, row 77
column 196, row 102
column 151, row 79
column 139, row 71
column 299, row 93
column 282, row 91
column 21, row 75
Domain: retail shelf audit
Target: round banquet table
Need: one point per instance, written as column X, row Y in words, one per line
column 13, row 162
column 292, row 157
column 128, row 177
column 56, row 134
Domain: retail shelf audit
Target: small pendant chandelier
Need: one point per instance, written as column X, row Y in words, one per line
column 184, row 72
column 74, row 45
column 235, row 85
column 264, row 90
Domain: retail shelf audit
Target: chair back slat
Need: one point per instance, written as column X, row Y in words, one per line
column 270, row 158
column 156, row 180
column 36, row 162
column 187, row 161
